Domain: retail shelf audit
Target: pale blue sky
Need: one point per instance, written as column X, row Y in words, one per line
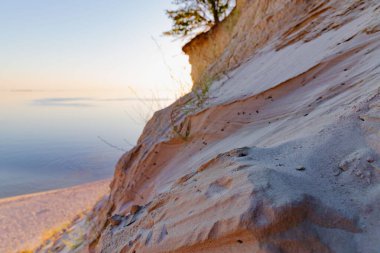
column 87, row 44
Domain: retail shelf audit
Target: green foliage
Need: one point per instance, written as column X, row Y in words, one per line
column 193, row 16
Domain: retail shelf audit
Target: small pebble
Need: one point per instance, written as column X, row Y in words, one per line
column 115, row 220
column 337, row 172
column 300, row 168
column 135, row 209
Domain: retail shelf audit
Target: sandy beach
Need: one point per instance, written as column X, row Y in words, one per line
column 26, row 219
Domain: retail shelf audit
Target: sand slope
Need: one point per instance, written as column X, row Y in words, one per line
column 281, row 154
column 25, row 219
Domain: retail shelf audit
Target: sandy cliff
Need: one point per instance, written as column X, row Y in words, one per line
column 277, row 149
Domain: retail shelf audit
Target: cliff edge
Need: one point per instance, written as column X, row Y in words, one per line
column 276, row 149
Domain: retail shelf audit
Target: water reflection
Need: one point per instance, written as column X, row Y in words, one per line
column 57, row 140
column 74, row 102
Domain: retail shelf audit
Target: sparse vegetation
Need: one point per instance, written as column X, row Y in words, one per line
column 69, row 235
column 75, row 240
column 202, row 92
column 190, row 105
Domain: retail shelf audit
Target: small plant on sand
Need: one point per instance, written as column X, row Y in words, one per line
column 191, row 105
column 202, row 92
column 76, row 235
column 74, row 242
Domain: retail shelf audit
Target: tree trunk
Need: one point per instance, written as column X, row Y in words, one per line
column 214, row 7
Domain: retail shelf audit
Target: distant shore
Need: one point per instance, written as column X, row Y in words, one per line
column 26, row 219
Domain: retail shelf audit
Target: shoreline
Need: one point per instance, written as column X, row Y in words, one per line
column 51, row 191
column 25, row 219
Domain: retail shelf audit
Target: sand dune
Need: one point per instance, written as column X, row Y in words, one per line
column 279, row 154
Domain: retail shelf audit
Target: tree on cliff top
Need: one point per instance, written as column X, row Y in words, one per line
column 194, row 16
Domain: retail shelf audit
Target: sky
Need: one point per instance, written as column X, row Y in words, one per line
column 89, row 45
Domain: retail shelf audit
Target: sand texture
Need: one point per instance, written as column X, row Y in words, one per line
column 26, row 220
column 280, row 153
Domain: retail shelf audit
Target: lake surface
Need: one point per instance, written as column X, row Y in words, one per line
column 50, row 140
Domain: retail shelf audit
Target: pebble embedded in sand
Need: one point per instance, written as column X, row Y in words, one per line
column 300, row 168
column 135, row 209
column 343, row 166
column 337, row 172
column 116, row 219
column 370, row 160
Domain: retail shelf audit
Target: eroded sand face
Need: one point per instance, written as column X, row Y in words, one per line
column 25, row 219
column 262, row 168
column 281, row 155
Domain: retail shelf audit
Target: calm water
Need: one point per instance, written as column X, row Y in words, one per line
column 50, row 140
